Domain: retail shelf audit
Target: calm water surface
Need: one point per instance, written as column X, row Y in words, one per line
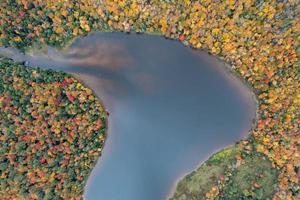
column 170, row 108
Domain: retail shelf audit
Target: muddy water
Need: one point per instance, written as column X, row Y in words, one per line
column 170, row 108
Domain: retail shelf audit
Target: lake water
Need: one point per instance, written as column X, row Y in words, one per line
column 170, row 108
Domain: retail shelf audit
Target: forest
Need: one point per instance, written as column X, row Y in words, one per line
column 259, row 39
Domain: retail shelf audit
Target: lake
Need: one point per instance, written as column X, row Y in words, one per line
column 170, row 108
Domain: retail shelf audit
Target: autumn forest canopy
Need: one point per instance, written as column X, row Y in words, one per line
column 52, row 127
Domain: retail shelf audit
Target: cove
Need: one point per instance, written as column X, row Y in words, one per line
column 170, row 108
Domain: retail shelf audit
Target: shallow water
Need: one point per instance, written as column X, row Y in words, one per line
column 170, row 108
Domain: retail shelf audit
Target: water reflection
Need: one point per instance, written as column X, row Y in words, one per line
column 107, row 54
column 170, row 107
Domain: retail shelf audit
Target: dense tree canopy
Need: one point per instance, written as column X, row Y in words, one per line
column 52, row 131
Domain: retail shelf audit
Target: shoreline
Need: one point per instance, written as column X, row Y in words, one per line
column 229, row 71
column 174, row 187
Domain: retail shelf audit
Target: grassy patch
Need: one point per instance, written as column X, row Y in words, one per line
column 251, row 177
column 196, row 184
